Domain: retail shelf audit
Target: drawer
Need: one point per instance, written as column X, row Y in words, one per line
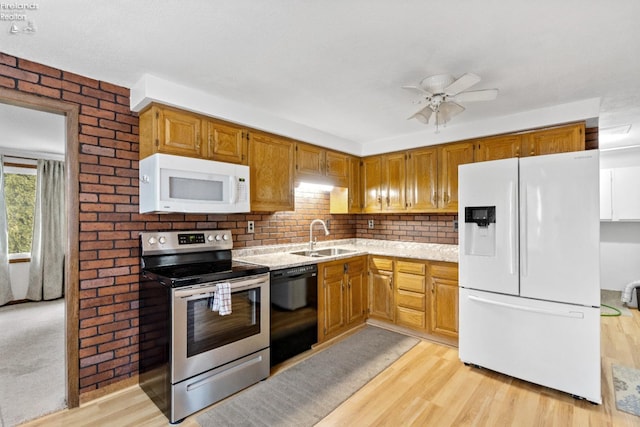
column 411, row 300
column 382, row 263
column 410, row 318
column 411, row 267
column 445, row 270
column 332, row 270
column 411, row 282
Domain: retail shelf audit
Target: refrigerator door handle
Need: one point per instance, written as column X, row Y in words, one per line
column 524, row 250
column 513, row 229
column 571, row 314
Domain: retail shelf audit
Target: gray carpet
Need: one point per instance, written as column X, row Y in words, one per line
column 308, row 391
column 612, row 299
column 32, row 367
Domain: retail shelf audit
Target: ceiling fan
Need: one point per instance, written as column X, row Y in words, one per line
column 441, row 94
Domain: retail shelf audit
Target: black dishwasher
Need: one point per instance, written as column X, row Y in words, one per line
column 294, row 311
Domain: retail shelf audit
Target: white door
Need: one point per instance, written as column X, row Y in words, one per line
column 560, row 228
column 488, row 256
column 626, row 194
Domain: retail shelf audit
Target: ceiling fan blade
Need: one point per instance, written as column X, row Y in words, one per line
column 463, row 83
column 423, row 115
column 419, row 90
column 477, row 95
column 447, row 110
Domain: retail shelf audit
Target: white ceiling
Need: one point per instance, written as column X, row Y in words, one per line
column 337, row 65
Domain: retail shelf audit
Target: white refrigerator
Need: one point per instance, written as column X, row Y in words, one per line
column 529, row 266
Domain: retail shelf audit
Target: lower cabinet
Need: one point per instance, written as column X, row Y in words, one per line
column 443, row 284
column 381, row 295
column 415, row 294
column 411, row 300
column 342, row 296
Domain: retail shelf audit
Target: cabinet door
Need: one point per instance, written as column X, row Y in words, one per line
column 179, row 133
column 422, row 178
column 451, row 156
column 332, row 276
column 444, row 299
column 555, row 140
column 372, row 177
column 381, row 303
column 226, row 143
column 271, row 167
column 626, row 194
column 356, row 291
column 393, row 182
column 337, row 168
column 355, row 187
column 309, row 160
column 499, row 147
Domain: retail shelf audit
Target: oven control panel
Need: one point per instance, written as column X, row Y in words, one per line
column 159, row 242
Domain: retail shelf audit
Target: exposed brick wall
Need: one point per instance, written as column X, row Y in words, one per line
column 434, row 228
column 110, row 224
column 108, row 252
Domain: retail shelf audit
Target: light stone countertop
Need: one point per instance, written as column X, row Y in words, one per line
column 277, row 256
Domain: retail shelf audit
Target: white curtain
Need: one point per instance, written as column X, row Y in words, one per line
column 5, row 281
column 46, row 273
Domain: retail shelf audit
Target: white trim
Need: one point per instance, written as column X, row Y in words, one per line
column 12, row 152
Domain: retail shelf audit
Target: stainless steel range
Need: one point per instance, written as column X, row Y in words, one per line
column 204, row 320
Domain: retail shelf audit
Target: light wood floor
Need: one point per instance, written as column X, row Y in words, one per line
column 428, row 386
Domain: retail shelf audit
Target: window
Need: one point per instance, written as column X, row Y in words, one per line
column 20, row 198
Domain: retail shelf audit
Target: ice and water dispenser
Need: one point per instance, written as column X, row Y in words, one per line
column 480, row 230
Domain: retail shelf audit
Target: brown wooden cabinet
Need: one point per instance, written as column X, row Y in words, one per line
column 318, row 165
column 554, row 140
column 343, row 296
column 443, row 285
column 411, row 300
column 422, row 179
column 271, row 163
column 355, row 188
column 170, row 131
column 381, row 294
column 450, row 156
column 226, row 142
column 559, row 139
column 498, row 147
column 384, row 181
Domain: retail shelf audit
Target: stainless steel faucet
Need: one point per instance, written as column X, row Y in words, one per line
column 311, row 241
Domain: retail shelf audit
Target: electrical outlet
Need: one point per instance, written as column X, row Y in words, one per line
column 250, row 227
column 328, row 224
column 370, row 223
column 455, row 225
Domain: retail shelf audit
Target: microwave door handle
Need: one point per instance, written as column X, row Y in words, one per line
column 234, row 190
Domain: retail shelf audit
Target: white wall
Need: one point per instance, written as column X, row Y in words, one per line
column 619, row 241
column 19, row 279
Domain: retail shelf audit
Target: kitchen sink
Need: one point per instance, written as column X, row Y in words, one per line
column 323, row 252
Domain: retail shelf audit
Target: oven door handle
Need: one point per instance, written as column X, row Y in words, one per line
column 209, row 290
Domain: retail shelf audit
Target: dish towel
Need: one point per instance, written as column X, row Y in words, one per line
column 222, row 299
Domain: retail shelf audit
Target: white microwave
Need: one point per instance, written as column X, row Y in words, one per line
column 176, row 184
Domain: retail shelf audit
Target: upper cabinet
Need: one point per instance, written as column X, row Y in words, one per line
column 170, row 131
column 181, row 133
column 384, row 180
column 450, row 157
column 271, row 163
column 554, row 140
column 226, row 142
column 620, row 194
column 535, row 143
column 422, row 179
column 318, row 165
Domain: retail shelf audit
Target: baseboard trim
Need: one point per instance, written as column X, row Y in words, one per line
column 108, row 390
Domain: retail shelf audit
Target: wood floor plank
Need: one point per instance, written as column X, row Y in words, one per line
column 427, row 386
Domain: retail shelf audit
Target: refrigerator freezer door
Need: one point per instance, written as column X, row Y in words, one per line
column 488, row 255
column 560, row 228
column 551, row 344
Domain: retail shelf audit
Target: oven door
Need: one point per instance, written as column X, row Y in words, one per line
column 203, row 339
